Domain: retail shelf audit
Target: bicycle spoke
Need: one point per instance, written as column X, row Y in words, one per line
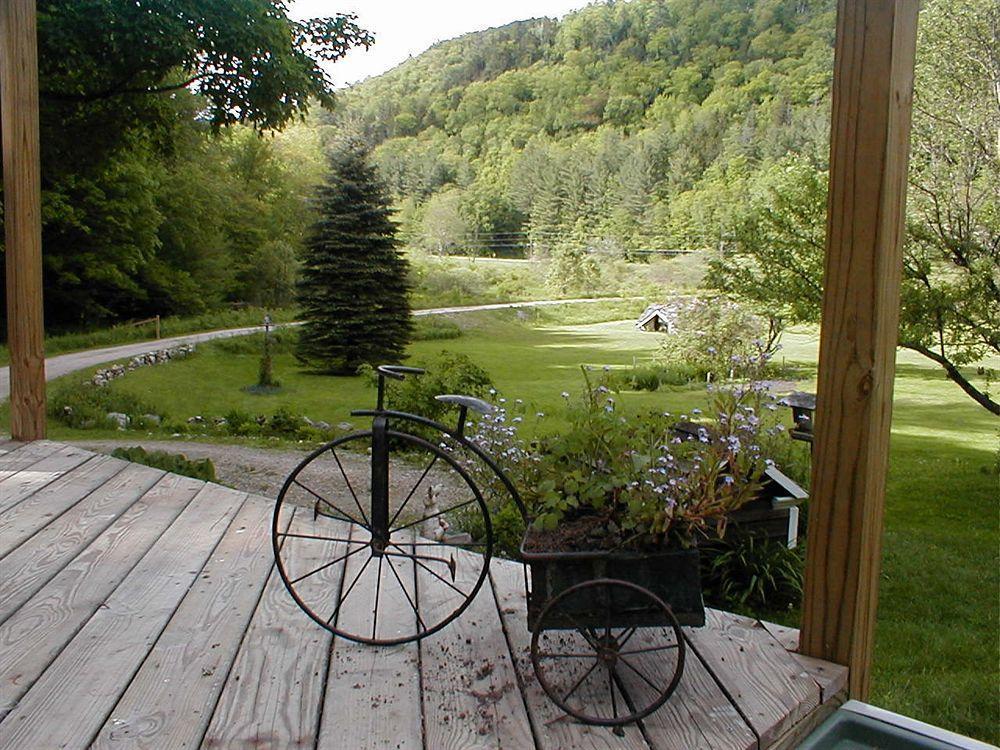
column 324, row 566
column 378, row 588
column 649, row 650
column 580, row 681
column 645, row 679
column 353, row 494
column 411, row 556
column 583, row 631
column 553, row 655
column 607, row 619
column 321, row 538
column 445, row 581
column 611, row 689
column 414, row 489
column 623, row 641
column 435, row 515
column 446, row 544
column 346, row 593
column 347, row 516
column 406, row 593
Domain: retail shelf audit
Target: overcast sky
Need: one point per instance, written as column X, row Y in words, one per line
column 408, row 27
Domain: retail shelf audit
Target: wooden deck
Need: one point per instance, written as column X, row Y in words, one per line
column 141, row 609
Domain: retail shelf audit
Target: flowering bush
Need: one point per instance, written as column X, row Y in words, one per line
column 651, row 480
column 717, row 337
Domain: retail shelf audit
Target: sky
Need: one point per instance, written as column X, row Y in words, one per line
column 407, row 27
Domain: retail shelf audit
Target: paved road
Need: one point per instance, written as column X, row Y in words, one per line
column 63, row 364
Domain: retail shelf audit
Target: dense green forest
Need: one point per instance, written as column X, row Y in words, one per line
column 627, row 126
column 162, row 190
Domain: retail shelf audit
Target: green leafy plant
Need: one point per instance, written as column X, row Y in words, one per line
column 283, row 423
column 175, row 463
column 753, row 574
column 638, row 481
column 85, row 406
column 449, row 372
column 718, row 338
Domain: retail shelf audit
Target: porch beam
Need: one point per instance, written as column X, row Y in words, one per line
column 22, row 217
column 869, row 153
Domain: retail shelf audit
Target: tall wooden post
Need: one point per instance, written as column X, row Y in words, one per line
column 22, row 217
column 869, row 152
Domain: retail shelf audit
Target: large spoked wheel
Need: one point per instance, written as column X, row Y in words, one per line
column 389, row 572
column 595, row 668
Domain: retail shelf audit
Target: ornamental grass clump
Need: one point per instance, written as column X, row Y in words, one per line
column 620, row 481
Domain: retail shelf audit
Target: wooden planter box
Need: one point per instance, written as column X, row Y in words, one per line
column 672, row 575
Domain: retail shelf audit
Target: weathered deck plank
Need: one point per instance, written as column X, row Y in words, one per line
column 373, row 694
column 23, row 455
column 7, row 446
column 771, row 688
column 831, row 678
column 26, row 480
column 38, row 631
column 30, row 566
column 85, row 681
column 698, row 716
column 170, row 700
column 471, row 695
column 141, row 615
column 273, row 693
column 35, row 512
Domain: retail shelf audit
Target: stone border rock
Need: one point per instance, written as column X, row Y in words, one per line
column 106, row 374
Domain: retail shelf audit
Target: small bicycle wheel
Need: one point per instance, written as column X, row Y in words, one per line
column 389, row 587
column 596, row 657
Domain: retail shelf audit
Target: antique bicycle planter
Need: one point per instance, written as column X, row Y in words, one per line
column 627, row 608
column 607, row 645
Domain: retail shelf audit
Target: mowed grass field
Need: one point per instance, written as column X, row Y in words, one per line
column 939, row 620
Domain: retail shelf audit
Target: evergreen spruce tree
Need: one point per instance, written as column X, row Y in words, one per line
column 353, row 288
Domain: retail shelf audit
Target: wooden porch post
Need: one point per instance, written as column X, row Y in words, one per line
column 869, row 152
column 22, row 217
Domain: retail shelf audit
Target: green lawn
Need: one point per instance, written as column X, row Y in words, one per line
column 937, row 642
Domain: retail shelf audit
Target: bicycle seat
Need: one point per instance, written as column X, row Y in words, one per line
column 469, row 402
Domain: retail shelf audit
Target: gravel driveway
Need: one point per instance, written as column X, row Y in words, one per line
column 262, row 471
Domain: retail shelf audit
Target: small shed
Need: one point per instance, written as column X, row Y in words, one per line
column 659, row 317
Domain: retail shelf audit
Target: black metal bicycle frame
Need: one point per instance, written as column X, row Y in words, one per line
column 380, row 458
column 380, row 485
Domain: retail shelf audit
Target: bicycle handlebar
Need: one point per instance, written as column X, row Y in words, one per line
column 399, row 372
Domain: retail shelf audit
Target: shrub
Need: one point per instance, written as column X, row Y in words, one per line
column 716, row 337
column 175, row 463
column 753, row 575
column 434, row 328
column 636, row 378
column 85, row 406
column 449, row 372
column 241, row 423
column 285, row 424
column 651, row 377
column 679, row 374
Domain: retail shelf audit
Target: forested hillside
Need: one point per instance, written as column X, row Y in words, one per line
column 626, row 126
